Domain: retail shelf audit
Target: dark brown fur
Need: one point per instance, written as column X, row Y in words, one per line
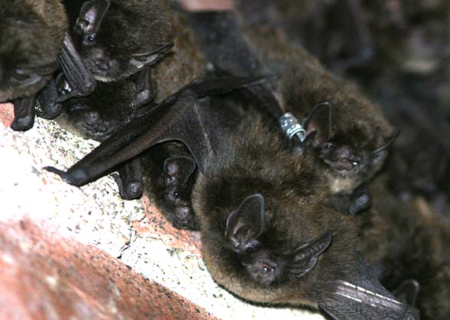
column 254, row 160
column 31, row 35
column 409, row 241
column 357, row 125
column 177, row 70
column 128, row 27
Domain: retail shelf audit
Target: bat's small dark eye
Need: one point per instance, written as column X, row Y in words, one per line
column 90, row 39
column 176, row 194
column 328, row 145
column 250, row 250
column 266, row 269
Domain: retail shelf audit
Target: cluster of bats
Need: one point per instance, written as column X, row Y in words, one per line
column 234, row 129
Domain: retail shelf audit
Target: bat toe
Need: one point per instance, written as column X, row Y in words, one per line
column 184, row 218
column 132, row 191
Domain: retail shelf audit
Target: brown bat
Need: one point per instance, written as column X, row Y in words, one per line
column 127, row 41
column 265, row 235
column 31, row 37
column 351, row 134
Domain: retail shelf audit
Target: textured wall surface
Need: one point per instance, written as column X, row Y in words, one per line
column 83, row 252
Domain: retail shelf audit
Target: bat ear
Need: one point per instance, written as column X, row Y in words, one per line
column 179, row 168
column 307, row 255
column 247, row 223
column 381, row 153
column 319, row 121
column 407, row 292
column 91, row 16
column 142, row 59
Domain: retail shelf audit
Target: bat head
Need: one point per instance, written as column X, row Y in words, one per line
column 349, row 152
column 265, row 263
column 29, row 46
column 323, row 271
column 118, row 38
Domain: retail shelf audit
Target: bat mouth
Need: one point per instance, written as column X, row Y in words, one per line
column 344, row 167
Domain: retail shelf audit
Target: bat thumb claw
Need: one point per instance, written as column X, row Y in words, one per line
column 75, row 178
column 55, row 171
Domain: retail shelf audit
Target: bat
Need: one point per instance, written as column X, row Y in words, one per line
column 407, row 243
column 114, row 104
column 31, row 37
column 352, row 136
column 100, row 114
column 120, row 34
column 112, row 40
column 409, row 85
column 265, row 235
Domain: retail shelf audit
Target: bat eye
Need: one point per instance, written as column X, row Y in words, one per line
column 266, row 269
column 250, row 250
column 90, row 39
column 19, row 75
column 176, row 194
column 328, row 145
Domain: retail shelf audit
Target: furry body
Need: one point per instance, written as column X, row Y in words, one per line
column 31, row 35
column 127, row 28
column 409, row 241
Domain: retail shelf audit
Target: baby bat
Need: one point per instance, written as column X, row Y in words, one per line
column 31, row 37
column 408, row 241
column 352, row 136
column 115, row 39
column 265, row 235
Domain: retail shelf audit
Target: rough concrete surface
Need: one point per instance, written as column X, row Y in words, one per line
column 134, row 232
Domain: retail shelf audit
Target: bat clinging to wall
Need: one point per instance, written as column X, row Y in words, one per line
column 265, row 235
column 351, row 140
column 103, row 45
column 114, row 40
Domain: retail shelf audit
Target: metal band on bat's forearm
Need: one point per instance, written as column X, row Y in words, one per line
column 291, row 127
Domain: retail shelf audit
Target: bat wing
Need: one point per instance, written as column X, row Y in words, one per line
column 183, row 116
column 220, row 37
column 363, row 297
column 80, row 80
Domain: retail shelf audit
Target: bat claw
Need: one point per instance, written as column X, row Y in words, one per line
column 77, row 177
column 55, row 171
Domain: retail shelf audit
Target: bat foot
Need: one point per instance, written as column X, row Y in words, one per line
column 50, row 112
column 183, row 217
column 129, row 190
column 23, row 123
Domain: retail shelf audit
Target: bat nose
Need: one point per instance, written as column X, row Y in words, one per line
column 102, row 63
column 349, row 154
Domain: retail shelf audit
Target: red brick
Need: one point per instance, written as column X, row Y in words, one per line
column 45, row 276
